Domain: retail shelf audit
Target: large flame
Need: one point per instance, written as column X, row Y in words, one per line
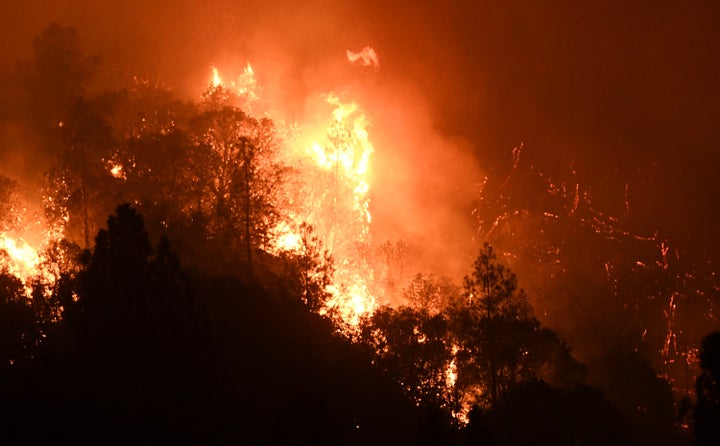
column 26, row 261
column 22, row 259
column 335, row 169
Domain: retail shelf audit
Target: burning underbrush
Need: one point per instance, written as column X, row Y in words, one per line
column 296, row 203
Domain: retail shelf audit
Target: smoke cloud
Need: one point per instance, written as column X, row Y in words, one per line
column 625, row 94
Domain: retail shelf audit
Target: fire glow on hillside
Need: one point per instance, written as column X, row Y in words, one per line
column 331, row 160
column 334, row 201
column 29, row 263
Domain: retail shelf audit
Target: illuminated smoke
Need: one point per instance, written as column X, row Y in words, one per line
column 366, row 57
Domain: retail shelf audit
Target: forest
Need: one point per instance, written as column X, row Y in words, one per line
column 199, row 280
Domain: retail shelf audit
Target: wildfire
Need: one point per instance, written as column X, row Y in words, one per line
column 24, row 261
column 245, row 86
column 117, row 170
column 289, row 241
column 345, row 155
column 336, row 169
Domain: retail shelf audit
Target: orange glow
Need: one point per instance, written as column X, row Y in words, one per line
column 345, row 156
column 117, row 171
column 26, row 262
column 216, row 81
column 336, row 171
column 244, row 87
column 289, row 241
column 23, row 260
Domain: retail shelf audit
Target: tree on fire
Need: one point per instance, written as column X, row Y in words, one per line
column 414, row 347
column 476, row 347
column 308, row 272
column 241, row 178
column 208, row 172
column 81, row 188
column 134, row 352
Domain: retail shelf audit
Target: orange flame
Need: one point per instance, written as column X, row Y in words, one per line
column 342, row 162
column 26, row 262
column 23, row 260
column 216, row 81
column 117, row 170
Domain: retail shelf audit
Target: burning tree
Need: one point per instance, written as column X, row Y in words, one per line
column 501, row 343
column 455, row 350
column 241, row 192
column 309, row 269
column 81, row 187
column 416, row 349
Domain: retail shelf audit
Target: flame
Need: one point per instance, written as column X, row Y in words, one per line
column 289, row 241
column 345, row 155
column 349, row 154
column 244, row 87
column 23, row 260
column 117, row 170
column 28, row 249
column 337, row 205
column 26, row 262
column 216, row 81
column 451, row 374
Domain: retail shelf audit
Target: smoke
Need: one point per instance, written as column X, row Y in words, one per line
column 626, row 95
column 365, row 57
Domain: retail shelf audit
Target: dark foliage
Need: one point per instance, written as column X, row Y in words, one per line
column 645, row 400
column 707, row 409
column 536, row 413
column 17, row 321
column 141, row 355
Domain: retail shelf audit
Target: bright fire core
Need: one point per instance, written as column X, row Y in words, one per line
column 334, row 199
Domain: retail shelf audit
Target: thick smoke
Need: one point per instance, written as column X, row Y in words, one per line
column 624, row 96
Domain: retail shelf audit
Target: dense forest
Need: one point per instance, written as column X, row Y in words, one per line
column 164, row 308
